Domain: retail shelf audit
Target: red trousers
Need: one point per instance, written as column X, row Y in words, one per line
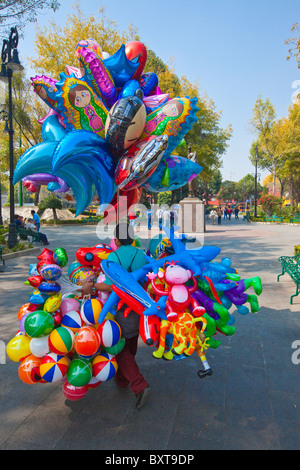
column 128, row 372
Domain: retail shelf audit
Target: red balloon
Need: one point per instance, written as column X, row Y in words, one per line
column 87, row 341
column 74, row 393
column 47, row 255
column 137, row 50
column 35, row 280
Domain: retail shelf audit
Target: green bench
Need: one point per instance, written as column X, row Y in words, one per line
column 291, row 266
column 274, row 218
column 25, row 233
column 296, row 218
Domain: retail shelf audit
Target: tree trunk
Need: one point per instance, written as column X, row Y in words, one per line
column 54, row 216
column 37, row 196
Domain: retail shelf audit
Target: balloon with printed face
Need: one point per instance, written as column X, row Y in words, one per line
column 45, row 88
column 80, row 107
column 125, row 124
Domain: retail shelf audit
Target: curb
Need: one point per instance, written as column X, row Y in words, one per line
column 18, row 254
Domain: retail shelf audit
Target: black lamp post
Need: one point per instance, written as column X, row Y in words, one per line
column 10, row 64
column 255, row 182
column 3, row 117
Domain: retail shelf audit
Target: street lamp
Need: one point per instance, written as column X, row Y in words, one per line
column 255, row 182
column 3, row 117
column 10, row 64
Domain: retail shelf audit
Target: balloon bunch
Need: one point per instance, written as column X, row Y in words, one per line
column 59, row 337
column 110, row 130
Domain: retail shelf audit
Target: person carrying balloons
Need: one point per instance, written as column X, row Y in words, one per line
column 130, row 258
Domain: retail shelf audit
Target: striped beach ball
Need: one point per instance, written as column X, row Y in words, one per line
column 109, row 332
column 72, row 320
column 54, row 367
column 104, row 366
column 90, row 311
column 61, row 340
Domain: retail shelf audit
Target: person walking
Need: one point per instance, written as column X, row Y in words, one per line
column 159, row 215
column 213, row 215
column 131, row 259
column 219, row 215
column 236, row 212
column 149, row 214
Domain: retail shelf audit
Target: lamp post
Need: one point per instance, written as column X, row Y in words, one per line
column 10, row 64
column 255, row 182
column 3, row 117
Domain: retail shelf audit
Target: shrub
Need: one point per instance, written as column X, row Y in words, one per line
column 270, row 204
column 296, row 249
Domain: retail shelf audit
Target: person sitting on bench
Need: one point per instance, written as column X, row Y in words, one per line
column 32, row 227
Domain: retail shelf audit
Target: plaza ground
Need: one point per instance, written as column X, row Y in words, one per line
column 250, row 402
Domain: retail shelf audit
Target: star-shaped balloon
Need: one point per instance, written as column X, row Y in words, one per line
column 121, row 68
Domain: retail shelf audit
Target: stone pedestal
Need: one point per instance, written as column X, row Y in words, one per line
column 192, row 215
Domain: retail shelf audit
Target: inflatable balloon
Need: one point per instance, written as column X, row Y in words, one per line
column 61, row 340
column 125, row 124
column 18, row 348
column 120, row 67
column 53, row 367
column 79, row 372
column 87, row 342
column 45, row 88
column 39, row 347
column 104, row 366
column 60, row 257
column 74, row 393
column 29, row 370
column 38, row 324
column 90, row 311
column 137, row 52
column 72, row 320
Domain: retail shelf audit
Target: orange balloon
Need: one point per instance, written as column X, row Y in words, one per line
column 29, row 369
column 87, row 341
column 26, row 308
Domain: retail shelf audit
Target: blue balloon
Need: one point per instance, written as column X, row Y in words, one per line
column 52, row 130
column 180, row 170
column 83, row 161
column 148, row 82
column 120, row 67
column 37, row 159
column 129, row 89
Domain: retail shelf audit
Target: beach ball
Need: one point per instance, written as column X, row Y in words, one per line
column 38, row 323
column 54, row 367
column 61, row 340
column 79, row 372
column 104, row 366
column 87, row 342
column 29, row 370
column 69, row 304
column 109, row 332
column 39, row 346
column 51, row 272
column 74, row 393
column 94, row 382
column 72, row 320
column 116, row 348
column 18, row 348
column 90, row 311
column 60, row 257
column 26, row 308
column 53, row 303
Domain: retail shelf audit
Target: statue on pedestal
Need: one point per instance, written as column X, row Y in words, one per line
column 193, row 185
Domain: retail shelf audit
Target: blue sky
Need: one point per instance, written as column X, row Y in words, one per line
column 234, row 48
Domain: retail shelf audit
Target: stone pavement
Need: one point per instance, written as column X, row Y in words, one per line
column 250, row 402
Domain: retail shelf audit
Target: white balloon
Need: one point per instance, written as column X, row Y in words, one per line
column 39, row 346
column 105, row 55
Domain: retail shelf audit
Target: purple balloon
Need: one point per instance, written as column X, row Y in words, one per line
column 67, row 305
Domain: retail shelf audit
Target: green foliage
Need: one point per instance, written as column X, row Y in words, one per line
column 296, row 249
column 165, row 198
column 50, row 202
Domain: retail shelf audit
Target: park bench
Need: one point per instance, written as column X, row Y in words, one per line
column 291, row 266
column 25, row 233
column 274, row 218
column 295, row 218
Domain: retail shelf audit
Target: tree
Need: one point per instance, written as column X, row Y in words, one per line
column 230, row 190
column 294, row 43
column 51, row 202
column 247, row 187
column 21, row 12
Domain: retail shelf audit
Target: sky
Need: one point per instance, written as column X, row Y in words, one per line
column 234, row 48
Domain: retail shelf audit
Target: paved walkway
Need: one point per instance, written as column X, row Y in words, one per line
column 250, row 402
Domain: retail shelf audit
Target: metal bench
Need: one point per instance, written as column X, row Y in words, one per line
column 274, row 218
column 291, row 266
column 296, row 218
column 1, row 254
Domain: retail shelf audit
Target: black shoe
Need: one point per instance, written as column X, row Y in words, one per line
column 142, row 397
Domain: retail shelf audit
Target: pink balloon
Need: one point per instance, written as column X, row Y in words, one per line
column 74, row 393
column 69, row 304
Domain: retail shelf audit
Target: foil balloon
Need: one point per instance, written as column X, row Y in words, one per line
column 60, row 257
column 90, row 44
column 125, row 124
column 121, row 203
column 172, row 172
column 79, row 105
column 131, row 88
column 97, row 75
column 45, row 88
column 154, row 102
column 148, row 82
column 137, row 52
column 174, row 119
column 134, row 168
column 120, row 67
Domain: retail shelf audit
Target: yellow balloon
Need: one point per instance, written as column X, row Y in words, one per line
column 53, row 303
column 18, row 348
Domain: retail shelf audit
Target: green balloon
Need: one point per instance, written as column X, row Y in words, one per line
column 60, row 257
column 38, row 324
column 79, row 372
column 117, row 348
